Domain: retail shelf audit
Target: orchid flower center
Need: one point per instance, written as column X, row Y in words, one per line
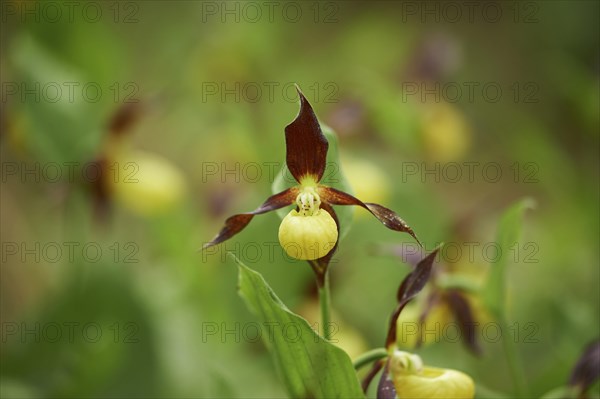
column 308, row 201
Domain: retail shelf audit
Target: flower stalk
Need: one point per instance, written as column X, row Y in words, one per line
column 325, row 305
column 370, row 357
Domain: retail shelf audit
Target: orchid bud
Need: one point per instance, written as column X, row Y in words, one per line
column 308, row 236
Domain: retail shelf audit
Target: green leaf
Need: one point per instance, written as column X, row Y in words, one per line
column 309, row 366
column 333, row 177
column 507, row 235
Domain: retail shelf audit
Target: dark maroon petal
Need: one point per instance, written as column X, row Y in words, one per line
column 320, row 265
column 306, row 146
column 371, row 374
column 386, row 388
column 410, row 287
column 416, row 280
column 587, row 369
column 386, row 216
column 461, row 308
column 433, row 299
column 236, row 223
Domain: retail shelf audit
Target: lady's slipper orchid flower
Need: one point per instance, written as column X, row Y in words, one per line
column 311, row 231
column 404, row 374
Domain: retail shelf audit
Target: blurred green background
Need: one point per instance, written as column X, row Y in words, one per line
column 134, row 310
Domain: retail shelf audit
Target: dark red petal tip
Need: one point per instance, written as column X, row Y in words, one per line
column 306, row 146
column 237, row 223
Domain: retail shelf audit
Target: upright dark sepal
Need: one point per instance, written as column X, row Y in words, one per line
column 237, row 223
column 410, row 287
column 306, row 146
column 386, row 216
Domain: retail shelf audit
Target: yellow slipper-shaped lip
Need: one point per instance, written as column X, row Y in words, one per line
column 434, row 383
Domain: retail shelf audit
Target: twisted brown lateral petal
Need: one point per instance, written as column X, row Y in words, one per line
column 386, row 216
column 587, row 369
column 371, row 374
column 386, row 388
column 320, row 265
column 410, row 287
column 434, row 298
column 236, row 223
column 306, row 146
column 466, row 320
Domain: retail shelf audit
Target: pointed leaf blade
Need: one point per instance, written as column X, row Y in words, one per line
column 308, row 365
column 508, row 233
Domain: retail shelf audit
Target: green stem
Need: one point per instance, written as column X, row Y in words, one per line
column 325, row 303
column 369, row 357
column 514, row 362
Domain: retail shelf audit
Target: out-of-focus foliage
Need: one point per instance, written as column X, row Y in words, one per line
column 139, row 312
